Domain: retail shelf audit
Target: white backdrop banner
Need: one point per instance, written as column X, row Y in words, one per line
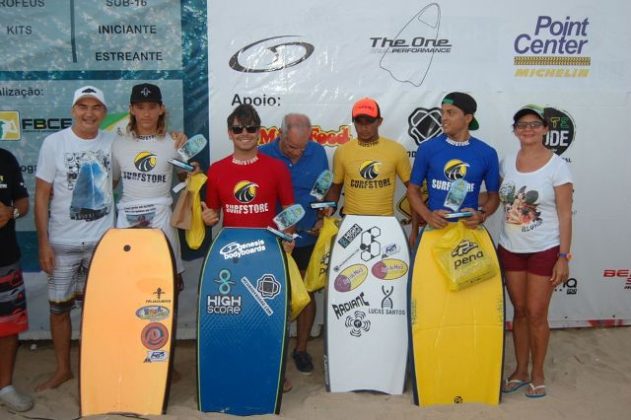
column 567, row 56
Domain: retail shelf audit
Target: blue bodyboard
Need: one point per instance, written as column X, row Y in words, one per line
column 242, row 324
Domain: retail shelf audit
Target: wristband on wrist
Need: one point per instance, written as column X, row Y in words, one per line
column 566, row 255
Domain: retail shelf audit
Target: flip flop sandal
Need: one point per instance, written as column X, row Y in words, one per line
column 512, row 385
column 538, row 391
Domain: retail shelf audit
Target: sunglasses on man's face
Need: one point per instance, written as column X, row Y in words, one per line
column 250, row 129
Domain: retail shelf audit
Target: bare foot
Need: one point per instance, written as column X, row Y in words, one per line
column 287, row 386
column 57, row 379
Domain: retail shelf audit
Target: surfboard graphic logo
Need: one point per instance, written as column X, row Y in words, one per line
column 357, row 323
column 370, row 169
column 245, row 191
column 224, row 282
column 391, row 249
column 156, row 356
column 455, row 169
column 370, row 247
column 257, row 296
column 268, row 286
column 153, row 312
column 410, row 62
column 386, row 302
column 145, row 161
column 389, row 269
column 349, row 235
column 345, row 307
column 154, row 335
column 351, row 278
column 235, row 250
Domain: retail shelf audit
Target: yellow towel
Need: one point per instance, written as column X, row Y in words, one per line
column 195, row 235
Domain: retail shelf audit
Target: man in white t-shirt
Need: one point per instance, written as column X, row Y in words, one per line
column 73, row 208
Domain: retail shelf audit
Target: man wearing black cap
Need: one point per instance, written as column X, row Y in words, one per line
column 140, row 160
column 455, row 164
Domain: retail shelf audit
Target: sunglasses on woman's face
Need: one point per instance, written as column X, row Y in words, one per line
column 250, row 129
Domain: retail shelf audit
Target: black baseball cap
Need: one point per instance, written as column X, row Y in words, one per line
column 145, row 92
column 466, row 103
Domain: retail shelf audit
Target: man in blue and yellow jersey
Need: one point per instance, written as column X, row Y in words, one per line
column 367, row 167
column 455, row 157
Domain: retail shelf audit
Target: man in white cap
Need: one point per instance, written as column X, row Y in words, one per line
column 73, row 208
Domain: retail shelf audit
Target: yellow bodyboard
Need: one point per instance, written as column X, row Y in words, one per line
column 127, row 324
column 457, row 336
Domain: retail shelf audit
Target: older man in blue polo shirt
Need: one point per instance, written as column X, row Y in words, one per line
column 305, row 159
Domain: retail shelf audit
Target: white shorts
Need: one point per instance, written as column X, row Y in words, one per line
column 67, row 282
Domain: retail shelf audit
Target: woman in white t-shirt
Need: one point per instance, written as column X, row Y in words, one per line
column 534, row 245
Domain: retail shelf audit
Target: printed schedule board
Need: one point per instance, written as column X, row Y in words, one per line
column 52, row 47
column 86, row 35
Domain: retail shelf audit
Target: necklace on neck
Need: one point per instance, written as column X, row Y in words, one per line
column 146, row 137
column 368, row 143
column 246, row 161
column 458, row 143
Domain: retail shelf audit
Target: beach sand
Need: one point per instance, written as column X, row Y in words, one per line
column 588, row 377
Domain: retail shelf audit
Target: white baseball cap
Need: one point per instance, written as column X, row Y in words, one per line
column 89, row 92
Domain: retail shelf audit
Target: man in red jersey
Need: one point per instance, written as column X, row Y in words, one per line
column 246, row 186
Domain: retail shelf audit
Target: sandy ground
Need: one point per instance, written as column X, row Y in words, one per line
column 588, row 377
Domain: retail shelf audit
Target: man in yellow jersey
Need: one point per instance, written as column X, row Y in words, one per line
column 367, row 167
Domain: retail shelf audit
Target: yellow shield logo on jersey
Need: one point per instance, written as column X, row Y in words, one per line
column 145, row 161
column 245, row 191
column 370, row 169
column 455, row 169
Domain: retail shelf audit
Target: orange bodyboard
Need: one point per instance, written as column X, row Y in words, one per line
column 127, row 324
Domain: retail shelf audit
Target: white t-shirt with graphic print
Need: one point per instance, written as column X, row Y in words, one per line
column 81, row 207
column 531, row 223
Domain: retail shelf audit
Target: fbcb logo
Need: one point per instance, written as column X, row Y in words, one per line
column 46, row 124
column 10, row 125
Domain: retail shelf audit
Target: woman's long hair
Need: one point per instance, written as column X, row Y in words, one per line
column 162, row 124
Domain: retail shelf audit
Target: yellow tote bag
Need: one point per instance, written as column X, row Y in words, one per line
column 318, row 268
column 299, row 295
column 461, row 258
